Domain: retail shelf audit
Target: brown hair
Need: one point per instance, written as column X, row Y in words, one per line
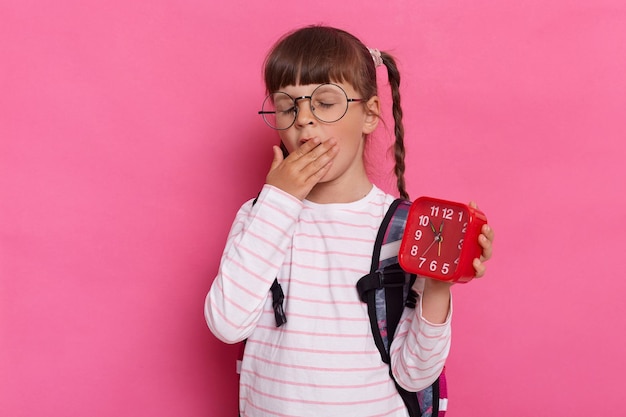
column 321, row 54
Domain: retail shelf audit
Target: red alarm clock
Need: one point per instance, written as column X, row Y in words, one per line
column 440, row 240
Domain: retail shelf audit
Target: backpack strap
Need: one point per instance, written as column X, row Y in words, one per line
column 386, row 287
column 277, row 294
column 387, row 291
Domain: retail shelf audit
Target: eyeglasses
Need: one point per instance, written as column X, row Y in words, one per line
column 328, row 103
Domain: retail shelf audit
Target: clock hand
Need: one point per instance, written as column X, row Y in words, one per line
column 429, row 246
column 440, row 238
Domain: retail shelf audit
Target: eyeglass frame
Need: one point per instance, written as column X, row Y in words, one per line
column 297, row 108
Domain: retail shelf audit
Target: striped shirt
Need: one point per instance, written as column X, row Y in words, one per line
column 323, row 362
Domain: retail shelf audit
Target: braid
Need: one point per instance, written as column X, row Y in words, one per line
column 399, row 151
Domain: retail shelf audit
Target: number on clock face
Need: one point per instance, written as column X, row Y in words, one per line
column 446, row 212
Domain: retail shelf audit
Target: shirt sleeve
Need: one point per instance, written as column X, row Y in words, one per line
column 420, row 348
column 254, row 253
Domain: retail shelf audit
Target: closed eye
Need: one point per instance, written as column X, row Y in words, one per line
column 323, row 105
column 286, row 112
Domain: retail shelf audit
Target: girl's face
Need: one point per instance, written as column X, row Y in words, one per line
column 360, row 119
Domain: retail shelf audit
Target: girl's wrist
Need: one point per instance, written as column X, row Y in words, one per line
column 437, row 286
column 436, row 301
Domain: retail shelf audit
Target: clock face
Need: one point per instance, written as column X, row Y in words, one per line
column 434, row 237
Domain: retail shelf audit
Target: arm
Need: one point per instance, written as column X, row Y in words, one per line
column 422, row 341
column 259, row 239
column 255, row 251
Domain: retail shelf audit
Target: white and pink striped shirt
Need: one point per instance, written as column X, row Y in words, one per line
column 323, row 362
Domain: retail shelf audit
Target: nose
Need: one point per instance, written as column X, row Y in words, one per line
column 304, row 114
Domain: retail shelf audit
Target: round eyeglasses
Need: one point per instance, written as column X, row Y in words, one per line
column 328, row 103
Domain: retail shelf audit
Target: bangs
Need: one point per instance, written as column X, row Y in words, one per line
column 318, row 55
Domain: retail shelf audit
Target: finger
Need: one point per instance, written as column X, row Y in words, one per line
column 479, row 267
column 278, row 157
column 485, row 243
column 321, row 149
column 310, row 160
column 488, row 232
column 319, row 174
column 321, row 162
column 306, row 148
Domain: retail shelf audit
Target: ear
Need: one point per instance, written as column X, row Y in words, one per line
column 372, row 115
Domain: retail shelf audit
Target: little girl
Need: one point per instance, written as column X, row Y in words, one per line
column 312, row 227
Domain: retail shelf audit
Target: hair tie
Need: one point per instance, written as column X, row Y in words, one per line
column 378, row 59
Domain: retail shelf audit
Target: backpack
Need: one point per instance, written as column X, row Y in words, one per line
column 387, row 291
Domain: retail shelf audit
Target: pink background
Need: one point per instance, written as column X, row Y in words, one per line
column 129, row 138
